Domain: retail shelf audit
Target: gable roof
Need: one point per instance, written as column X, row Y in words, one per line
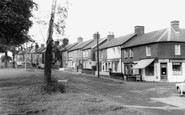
column 163, row 35
column 93, row 44
column 117, row 41
column 81, row 45
column 40, row 49
column 69, row 46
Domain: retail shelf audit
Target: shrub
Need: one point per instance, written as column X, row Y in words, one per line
column 54, row 86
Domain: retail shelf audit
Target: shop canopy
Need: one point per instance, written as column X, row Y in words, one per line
column 143, row 63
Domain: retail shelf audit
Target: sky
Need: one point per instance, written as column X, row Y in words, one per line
column 87, row 17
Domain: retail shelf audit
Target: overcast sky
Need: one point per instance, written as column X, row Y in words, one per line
column 119, row 16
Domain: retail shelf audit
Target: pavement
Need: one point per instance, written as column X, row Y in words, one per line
column 177, row 101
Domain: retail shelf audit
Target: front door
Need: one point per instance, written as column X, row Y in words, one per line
column 164, row 74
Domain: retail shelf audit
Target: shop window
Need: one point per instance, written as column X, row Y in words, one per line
column 176, row 66
column 149, row 70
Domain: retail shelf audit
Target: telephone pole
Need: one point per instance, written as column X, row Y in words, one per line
column 98, row 70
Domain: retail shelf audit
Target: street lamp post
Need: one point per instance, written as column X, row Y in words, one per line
column 98, row 72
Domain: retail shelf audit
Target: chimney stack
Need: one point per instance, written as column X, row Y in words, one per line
column 57, row 43
column 139, row 30
column 42, row 46
column 110, row 36
column 79, row 39
column 175, row 25
column 36, row 47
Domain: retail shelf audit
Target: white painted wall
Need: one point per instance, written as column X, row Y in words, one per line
column 114, row 52
column 155, row 77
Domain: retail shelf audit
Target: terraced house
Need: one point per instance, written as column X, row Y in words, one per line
column 110, row 54
column 64, row 54
column 157, row 55
column 88, row 59
column 75, row 54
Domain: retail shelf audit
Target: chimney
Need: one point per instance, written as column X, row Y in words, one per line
column 42, row 45
column 36, row 47
column 79, row 39
column 95, row 36
column 57, row 43
column 139, row 30
column 110, row 36
column 175, row 25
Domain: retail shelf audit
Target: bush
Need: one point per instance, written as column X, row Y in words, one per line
column 8, row 58
column 54, row 87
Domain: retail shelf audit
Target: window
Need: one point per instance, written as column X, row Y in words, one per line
column 149, row 70
column 176, row 66
column 177, row 50
column 125, row 54
column 148, row 51
column 83, row 53
column 131, row 53
column 116, row 66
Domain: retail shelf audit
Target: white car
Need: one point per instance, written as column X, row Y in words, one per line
column 40, row 66
column 181, row 87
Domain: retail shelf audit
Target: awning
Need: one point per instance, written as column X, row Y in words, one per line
column 143, row 63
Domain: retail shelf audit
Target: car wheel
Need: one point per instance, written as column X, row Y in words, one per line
column 178, row 90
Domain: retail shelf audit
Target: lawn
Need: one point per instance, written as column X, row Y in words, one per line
column 21, row 93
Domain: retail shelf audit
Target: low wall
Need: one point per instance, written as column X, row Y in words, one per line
column 117, row 75
column 88, row 71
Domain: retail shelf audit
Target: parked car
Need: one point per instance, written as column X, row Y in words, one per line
column 40, row 66
column 181, row 87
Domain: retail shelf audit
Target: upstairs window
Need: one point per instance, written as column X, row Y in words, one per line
column 177, row 50
column 131, row 53
column 148, row 51
column 125, row 54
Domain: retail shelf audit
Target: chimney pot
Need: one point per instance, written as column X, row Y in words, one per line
column 79, row 39
column 57, row 43
column 42, row 46
column 139, row 30
column 96, row 36
column 110, row 36
column 175, row 25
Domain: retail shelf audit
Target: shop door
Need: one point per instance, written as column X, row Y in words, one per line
column 164, row 71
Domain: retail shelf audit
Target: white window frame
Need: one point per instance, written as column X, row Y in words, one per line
column 125, row 53
column 131, row 53
column 177, row 49
column 148, row 51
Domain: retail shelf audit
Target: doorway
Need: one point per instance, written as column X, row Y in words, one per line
column 164, row 75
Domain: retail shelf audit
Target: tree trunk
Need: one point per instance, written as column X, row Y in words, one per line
column 13, row 55
column 5, row 59
column 48, row 55
column 48, row 59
